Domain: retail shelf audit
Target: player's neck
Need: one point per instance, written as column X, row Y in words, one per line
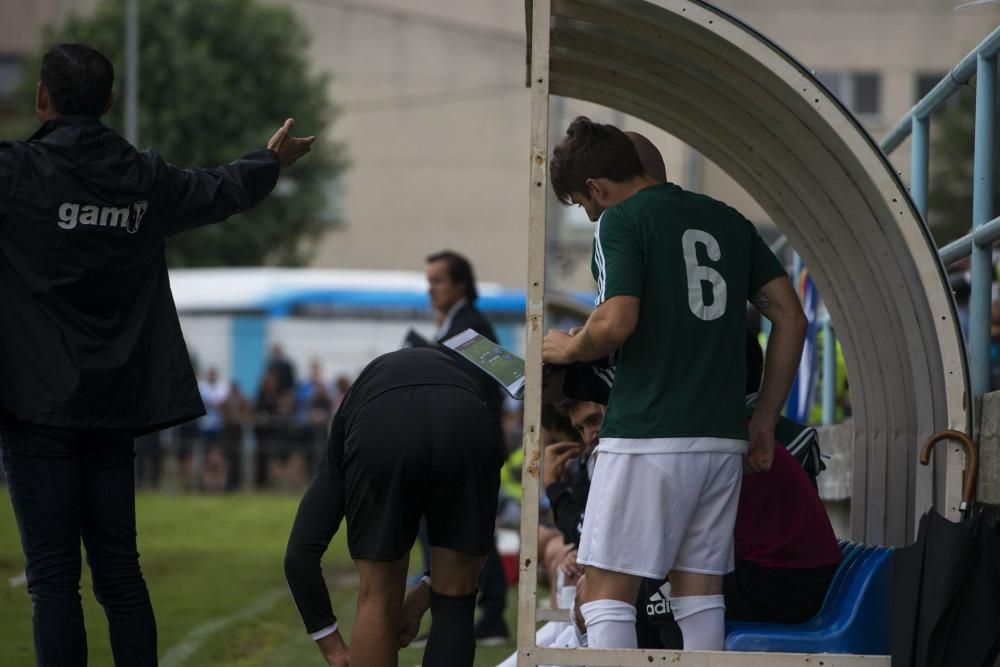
column 619, row 192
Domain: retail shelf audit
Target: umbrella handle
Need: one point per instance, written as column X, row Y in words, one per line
column 971, row 460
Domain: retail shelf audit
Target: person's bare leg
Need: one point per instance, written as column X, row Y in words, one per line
column 552, row 556
column 375, row 639
column 700, row 609
column 609, row 608
column 454, row 582
column 683, row 584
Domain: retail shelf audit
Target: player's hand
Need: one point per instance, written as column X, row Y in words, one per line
column 557, row 455
column 570, row 568
column 416, row 604
column 761, row 453
column 289, row 148
column 557, row 347
column 334, row 650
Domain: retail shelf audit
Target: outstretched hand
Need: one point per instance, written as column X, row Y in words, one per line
column 288, row 148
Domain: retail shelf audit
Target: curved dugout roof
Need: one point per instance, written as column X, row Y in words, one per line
column 723, row 88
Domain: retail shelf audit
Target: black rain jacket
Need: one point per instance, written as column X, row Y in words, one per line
column 89, row 336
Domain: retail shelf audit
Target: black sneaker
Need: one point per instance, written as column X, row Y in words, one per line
column 492, row 633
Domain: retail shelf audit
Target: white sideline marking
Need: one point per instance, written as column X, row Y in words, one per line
column 179, row 653
column 19, row 580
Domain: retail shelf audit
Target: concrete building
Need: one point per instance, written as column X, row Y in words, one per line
column 434, row 112
column 435, row 115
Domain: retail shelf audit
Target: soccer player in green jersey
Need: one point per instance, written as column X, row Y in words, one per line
column 674, row 271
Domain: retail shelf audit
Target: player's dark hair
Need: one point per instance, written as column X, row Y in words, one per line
column 459, row 270
column 79, row 79
column 555, row 419
column 591, row 150
column 755, row 363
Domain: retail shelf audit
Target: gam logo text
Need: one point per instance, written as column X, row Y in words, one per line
column 129, row 217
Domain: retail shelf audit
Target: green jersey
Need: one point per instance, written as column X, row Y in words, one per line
column 693, row 262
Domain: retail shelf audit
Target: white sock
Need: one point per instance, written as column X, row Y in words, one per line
column 610, row 624
column 702, row 619
column 547, row 634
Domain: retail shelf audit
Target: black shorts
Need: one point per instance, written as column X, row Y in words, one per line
column 430, row 450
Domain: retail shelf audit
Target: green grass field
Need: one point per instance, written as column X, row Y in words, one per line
column 214, row 569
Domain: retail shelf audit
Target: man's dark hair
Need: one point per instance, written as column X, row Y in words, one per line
column 459, row 270
column 554, row 419
column 78, row 78
column 565, row 406
column 591, row 150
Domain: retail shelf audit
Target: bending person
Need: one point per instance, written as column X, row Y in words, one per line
column 414, row 437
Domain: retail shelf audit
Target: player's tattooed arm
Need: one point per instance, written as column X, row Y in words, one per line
column 761, row 302
column 607, row 328
column 586, row 346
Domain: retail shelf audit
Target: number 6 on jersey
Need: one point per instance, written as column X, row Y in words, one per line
column 697, row 274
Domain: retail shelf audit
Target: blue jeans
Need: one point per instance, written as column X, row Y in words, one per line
column 68, row 484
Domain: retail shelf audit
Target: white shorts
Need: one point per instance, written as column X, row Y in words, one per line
column 648, row 514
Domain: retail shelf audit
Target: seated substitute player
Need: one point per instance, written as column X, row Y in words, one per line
column 413, row 437
column 675, row 439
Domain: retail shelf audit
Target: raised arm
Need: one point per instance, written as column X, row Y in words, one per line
column 776, row 301
column 206, row 196
column 606, row 330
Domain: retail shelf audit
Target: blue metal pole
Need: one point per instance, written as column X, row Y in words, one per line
column 945, row 88
column 919, row 158
column 982, row 212
column 829, row 371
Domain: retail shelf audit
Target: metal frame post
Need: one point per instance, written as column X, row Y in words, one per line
column 982, row 212
column 919, row 160
column 540, row 18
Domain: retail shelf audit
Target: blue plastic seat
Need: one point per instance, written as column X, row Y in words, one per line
column 854, row 617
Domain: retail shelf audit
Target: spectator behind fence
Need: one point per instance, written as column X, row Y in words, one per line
column 314, row 403
column 282, row 367
column 236, row 416
column 341, row 387
column 213, row 394
column 91, row 352
column 273, row 416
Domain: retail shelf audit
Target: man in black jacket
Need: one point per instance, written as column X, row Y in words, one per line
column 452, row 288
column 91, row 352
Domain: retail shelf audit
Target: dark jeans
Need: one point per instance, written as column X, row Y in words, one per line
column 68, row 484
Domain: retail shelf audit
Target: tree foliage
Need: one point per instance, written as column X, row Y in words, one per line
column 952, row 150
column 217, row 79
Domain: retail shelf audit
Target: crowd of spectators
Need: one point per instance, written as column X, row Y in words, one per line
column 274, row 437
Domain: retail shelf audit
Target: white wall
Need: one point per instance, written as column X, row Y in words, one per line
column 209, row 340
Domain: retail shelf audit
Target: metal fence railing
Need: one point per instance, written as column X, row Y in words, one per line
column 981, row 63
